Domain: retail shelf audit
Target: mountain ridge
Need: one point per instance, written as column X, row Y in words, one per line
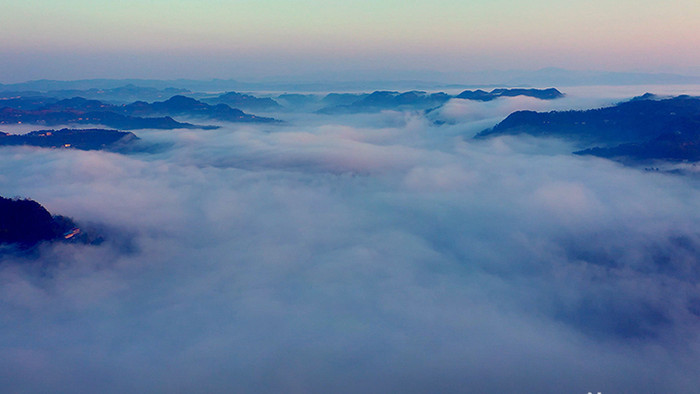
column 642, row 129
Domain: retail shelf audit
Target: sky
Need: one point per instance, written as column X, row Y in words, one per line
column 250, row 40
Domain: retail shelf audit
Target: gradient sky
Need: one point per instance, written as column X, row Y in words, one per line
column 255, row 39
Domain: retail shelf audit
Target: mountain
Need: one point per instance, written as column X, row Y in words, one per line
column 298, row 99
column 245, row 101
column 27, row 102
column 480, row 95
column 125, row 94
column 632, row 121
column 419, row 100
column 675, row 146
column 77, row 104
column 85, row 139
column 122, row 94
column 334, row 99
column 187, row 106
column 563, row 77
column 382, row 100
column 384, row 79
column 55, row 117
column 25, row 223
column 311, row 83
column 137, row 115
column 642, row 129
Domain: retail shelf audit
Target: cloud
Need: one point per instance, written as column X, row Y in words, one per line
column 474, row 116
column 333, row 255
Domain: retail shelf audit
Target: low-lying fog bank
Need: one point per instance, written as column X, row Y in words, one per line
column 358, row 253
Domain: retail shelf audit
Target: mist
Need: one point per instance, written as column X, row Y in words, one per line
column 372, row 253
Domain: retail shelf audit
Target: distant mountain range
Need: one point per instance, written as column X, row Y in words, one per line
column 381, row 100
column 25, row 223
column 105, row 118
column 226, row 85
column 642, row 129
column 137, row 115
column 376, row 79
column 53, row 111
column 480, row 95
column 121, row 94
column 245, row 101
column 562, row 77
column 83, row 139
column 187, row 106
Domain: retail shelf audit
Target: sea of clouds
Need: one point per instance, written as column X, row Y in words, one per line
column 363, row 253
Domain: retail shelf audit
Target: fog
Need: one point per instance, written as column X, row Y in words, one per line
column 363, row 253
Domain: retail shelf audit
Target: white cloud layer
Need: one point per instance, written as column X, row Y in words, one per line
column 333, row 256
